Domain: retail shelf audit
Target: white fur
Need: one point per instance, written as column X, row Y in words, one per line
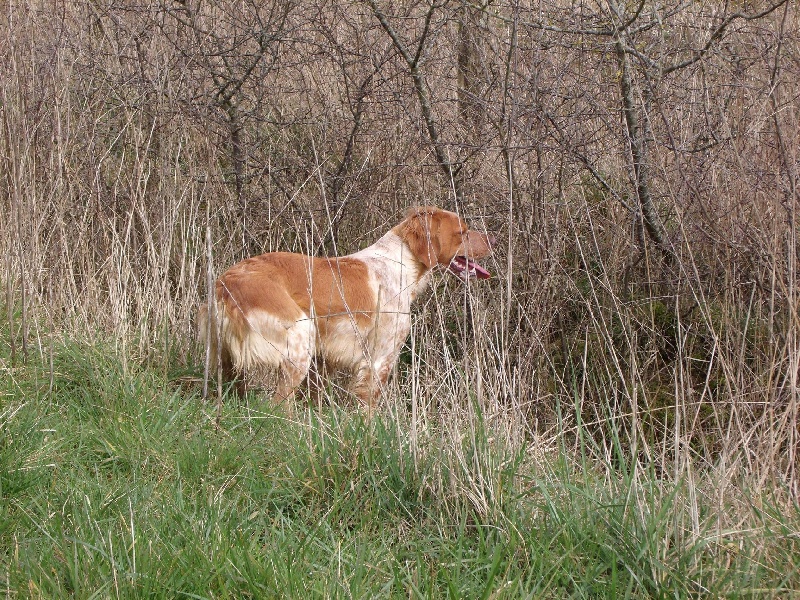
column 397, row 280
column 268, row 341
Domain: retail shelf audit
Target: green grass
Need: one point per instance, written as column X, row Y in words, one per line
column 114, row 482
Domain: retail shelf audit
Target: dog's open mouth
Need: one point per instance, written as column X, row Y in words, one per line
column 465, row 268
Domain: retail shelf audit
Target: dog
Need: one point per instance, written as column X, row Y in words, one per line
column 280, row 310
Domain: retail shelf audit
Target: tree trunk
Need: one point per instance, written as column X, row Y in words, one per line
column 638, row 146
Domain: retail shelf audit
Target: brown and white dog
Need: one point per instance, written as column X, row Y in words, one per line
column 281, row 309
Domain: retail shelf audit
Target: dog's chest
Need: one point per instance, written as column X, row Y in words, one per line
column 392, row 325
column 397, row 281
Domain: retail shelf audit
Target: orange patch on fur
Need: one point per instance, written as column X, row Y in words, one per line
column 288, row 285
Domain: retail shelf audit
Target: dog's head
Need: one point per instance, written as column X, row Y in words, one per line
column 437, row 236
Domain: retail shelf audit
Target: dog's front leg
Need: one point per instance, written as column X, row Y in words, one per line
column 370, row 381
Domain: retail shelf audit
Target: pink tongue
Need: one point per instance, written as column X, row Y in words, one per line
column 465, row 269
column 480, row 272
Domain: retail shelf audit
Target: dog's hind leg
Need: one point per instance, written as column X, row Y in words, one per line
column 297, row 356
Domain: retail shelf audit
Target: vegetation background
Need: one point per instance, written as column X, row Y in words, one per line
column 614, row 413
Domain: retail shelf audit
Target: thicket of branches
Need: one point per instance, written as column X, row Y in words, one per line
column 638, row 162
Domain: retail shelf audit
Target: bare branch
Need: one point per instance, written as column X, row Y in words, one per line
column 450, row 172
column 719, row 32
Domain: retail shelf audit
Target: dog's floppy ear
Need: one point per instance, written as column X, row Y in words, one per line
column 416, row 231
column 421, row 210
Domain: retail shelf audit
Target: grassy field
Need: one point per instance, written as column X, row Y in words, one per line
column 114, row 482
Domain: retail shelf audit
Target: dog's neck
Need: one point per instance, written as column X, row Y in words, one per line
column 396, row 254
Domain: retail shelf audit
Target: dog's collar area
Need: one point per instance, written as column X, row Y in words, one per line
column 464, row 268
